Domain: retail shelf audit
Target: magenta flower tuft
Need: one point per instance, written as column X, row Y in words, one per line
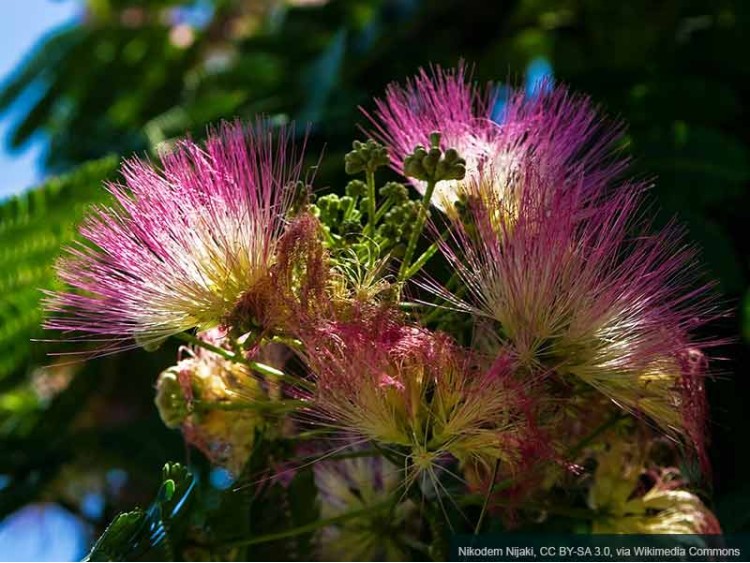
column 417, row 391
column 552, row 127
column 574, row 284
column 185, row 241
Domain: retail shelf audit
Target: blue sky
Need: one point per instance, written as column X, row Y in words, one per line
column 37, row 532
column 22, row 24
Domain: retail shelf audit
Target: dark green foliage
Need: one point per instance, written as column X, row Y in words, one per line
column 33, row 229
column 84, row 120
column 149, row 535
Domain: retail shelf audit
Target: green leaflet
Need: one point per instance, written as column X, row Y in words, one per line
column 33, row 229
column 149, row 535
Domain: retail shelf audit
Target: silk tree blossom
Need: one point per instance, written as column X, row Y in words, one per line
column 414, row 392
column 185, row 241
column 577, row 286
column 366, row 485
column 631, row 499
column 550, row 127
column 200, row 395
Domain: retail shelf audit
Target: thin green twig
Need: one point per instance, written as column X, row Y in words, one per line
column 268, row 372
column 414, row 238
column 370, row 227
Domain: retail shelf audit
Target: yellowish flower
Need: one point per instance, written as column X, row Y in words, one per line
column 626, row 506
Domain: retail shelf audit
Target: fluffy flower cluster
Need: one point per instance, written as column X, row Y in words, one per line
column 558, row 265
column 413, row 390
column 567, row 288
column 556, row 130
column 566, row 306
column 364, row 485
column 185, row 241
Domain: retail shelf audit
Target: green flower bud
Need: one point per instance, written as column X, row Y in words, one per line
column 434, row 165
column 431, row 161
column 330, row 206
column 413, row 164
column 328, row 202
column 435, row 139
column 345, row 202
column 365, row 157
column 395, row 190
column 364, row 203
column 395, row 215
column 356, row 188
column 452, row 156
column 411, row 210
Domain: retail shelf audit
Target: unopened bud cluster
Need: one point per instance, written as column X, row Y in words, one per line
column 434, row 165
column 365, row 157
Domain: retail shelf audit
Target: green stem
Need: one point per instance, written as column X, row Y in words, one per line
column 426, row 255
column 350, row 208
column 285, row 405
column 414, row 238
column 311, row 527
column 290, row 342
column 383, row 209
column 411, row 306
column 258, row 367
column 421, row 261
column 271, row 372
column 370, row 176
column 226, row 354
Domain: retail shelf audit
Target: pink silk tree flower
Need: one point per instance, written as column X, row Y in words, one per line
column 552, row 127
column 414, row 392
column 577, row 286
column 184, row 241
